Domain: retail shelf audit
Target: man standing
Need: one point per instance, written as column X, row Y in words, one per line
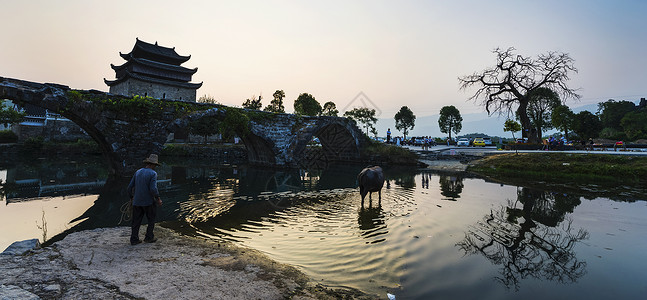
column 144, row 196
column 388, row 136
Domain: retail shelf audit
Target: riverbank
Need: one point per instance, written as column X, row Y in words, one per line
column 576, row 167
column 101, row 264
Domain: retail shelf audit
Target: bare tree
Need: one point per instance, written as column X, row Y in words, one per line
column 535, row 240
column 509, row 83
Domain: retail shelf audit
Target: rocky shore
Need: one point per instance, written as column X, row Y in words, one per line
column 101, row 264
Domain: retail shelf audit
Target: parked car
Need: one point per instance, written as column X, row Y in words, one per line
column 478, row 142
column 463, row 142
column 488, row 141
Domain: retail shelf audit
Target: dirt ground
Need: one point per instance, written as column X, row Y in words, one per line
column 101, row 264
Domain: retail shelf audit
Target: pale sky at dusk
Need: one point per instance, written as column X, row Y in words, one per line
column 396, row 52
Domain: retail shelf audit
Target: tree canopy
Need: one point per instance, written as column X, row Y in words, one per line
column 507, row 85
column 330, row 109
column 205, row 127
column 207, row 99
column 276, row 105
column 562, row 118
column 450, row 120
column 586, row 125
column 405, row 120
column 9, row 115
column 611, row 112
column 307, row 105
column 634, row 125
column 253, row 103
column 363, row 115
column 541, row 103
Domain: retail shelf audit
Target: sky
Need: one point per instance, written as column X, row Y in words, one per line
column 381, row 54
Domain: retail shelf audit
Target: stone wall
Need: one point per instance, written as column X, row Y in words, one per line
column 52, row 130
column 227, row 154
column 127, row 138
column 133, row 87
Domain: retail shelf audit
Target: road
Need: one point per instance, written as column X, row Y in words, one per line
column 492, row 150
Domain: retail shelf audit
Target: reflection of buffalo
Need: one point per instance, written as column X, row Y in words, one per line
column 370, row 180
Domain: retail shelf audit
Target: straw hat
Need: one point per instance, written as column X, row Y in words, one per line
column 152, row 159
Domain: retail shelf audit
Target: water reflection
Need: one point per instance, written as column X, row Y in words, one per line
column 32, row 178
column 534, row 240
column 371, row 224
column 314, row 219
column 451, row 186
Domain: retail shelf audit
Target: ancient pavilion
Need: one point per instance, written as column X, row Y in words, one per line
column 154, row 71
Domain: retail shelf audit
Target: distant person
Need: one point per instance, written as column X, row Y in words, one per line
column 388, row 136
column 145, row 198
column 552, row 143
column 590, row 145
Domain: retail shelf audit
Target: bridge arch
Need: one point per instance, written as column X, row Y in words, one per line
column 128, row 129
column 338, row 138
column 260, row 150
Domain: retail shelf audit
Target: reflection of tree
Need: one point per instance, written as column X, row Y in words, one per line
column 406, row 181
column 532, row 241
column 547, row 208
column 451, row 186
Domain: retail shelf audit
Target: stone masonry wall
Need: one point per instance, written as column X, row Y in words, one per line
column 133, row 87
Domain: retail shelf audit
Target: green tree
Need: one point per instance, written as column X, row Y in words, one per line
column 541, row 103
column 562, row 118
column 9, row 116
column 204, row 127
column 363, row 115
column 586, row 125
column 405, row 120
column 307, row 105
column 506, row 86
column 253, row 103
column 634, row 125
column 330, row 109
column 276, row 105
column 512, row 126
column 208, row 99
column 450, row 120
column 234, row 123
column 611, row 113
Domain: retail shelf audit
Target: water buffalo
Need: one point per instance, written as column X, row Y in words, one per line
column 370, row 180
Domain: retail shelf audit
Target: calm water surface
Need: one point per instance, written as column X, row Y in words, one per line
column 432, row 236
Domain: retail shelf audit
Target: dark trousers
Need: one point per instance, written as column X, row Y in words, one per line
column 138, row 215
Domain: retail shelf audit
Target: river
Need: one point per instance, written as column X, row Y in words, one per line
column 432, row 235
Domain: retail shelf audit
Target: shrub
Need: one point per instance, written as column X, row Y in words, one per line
column 8, row 136
column 174, row 150
column 33, row 144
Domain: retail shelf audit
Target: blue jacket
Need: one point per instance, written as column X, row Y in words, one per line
column 143, row 187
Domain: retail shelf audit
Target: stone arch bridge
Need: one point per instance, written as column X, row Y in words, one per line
column 126, row 137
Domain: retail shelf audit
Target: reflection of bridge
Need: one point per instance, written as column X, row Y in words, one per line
column 28, row 189
column 126, row 135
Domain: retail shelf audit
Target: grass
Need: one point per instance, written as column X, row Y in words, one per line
column 389, row 154
column 561, row 166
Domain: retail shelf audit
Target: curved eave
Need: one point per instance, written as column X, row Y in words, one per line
column 127, row 75
column 157, row 50
column 156, row 65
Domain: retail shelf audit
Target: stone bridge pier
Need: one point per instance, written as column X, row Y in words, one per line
column 127, row 132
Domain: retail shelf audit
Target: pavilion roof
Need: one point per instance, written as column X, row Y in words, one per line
column 155, row 52
column 127, row 74
column 157, row 65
